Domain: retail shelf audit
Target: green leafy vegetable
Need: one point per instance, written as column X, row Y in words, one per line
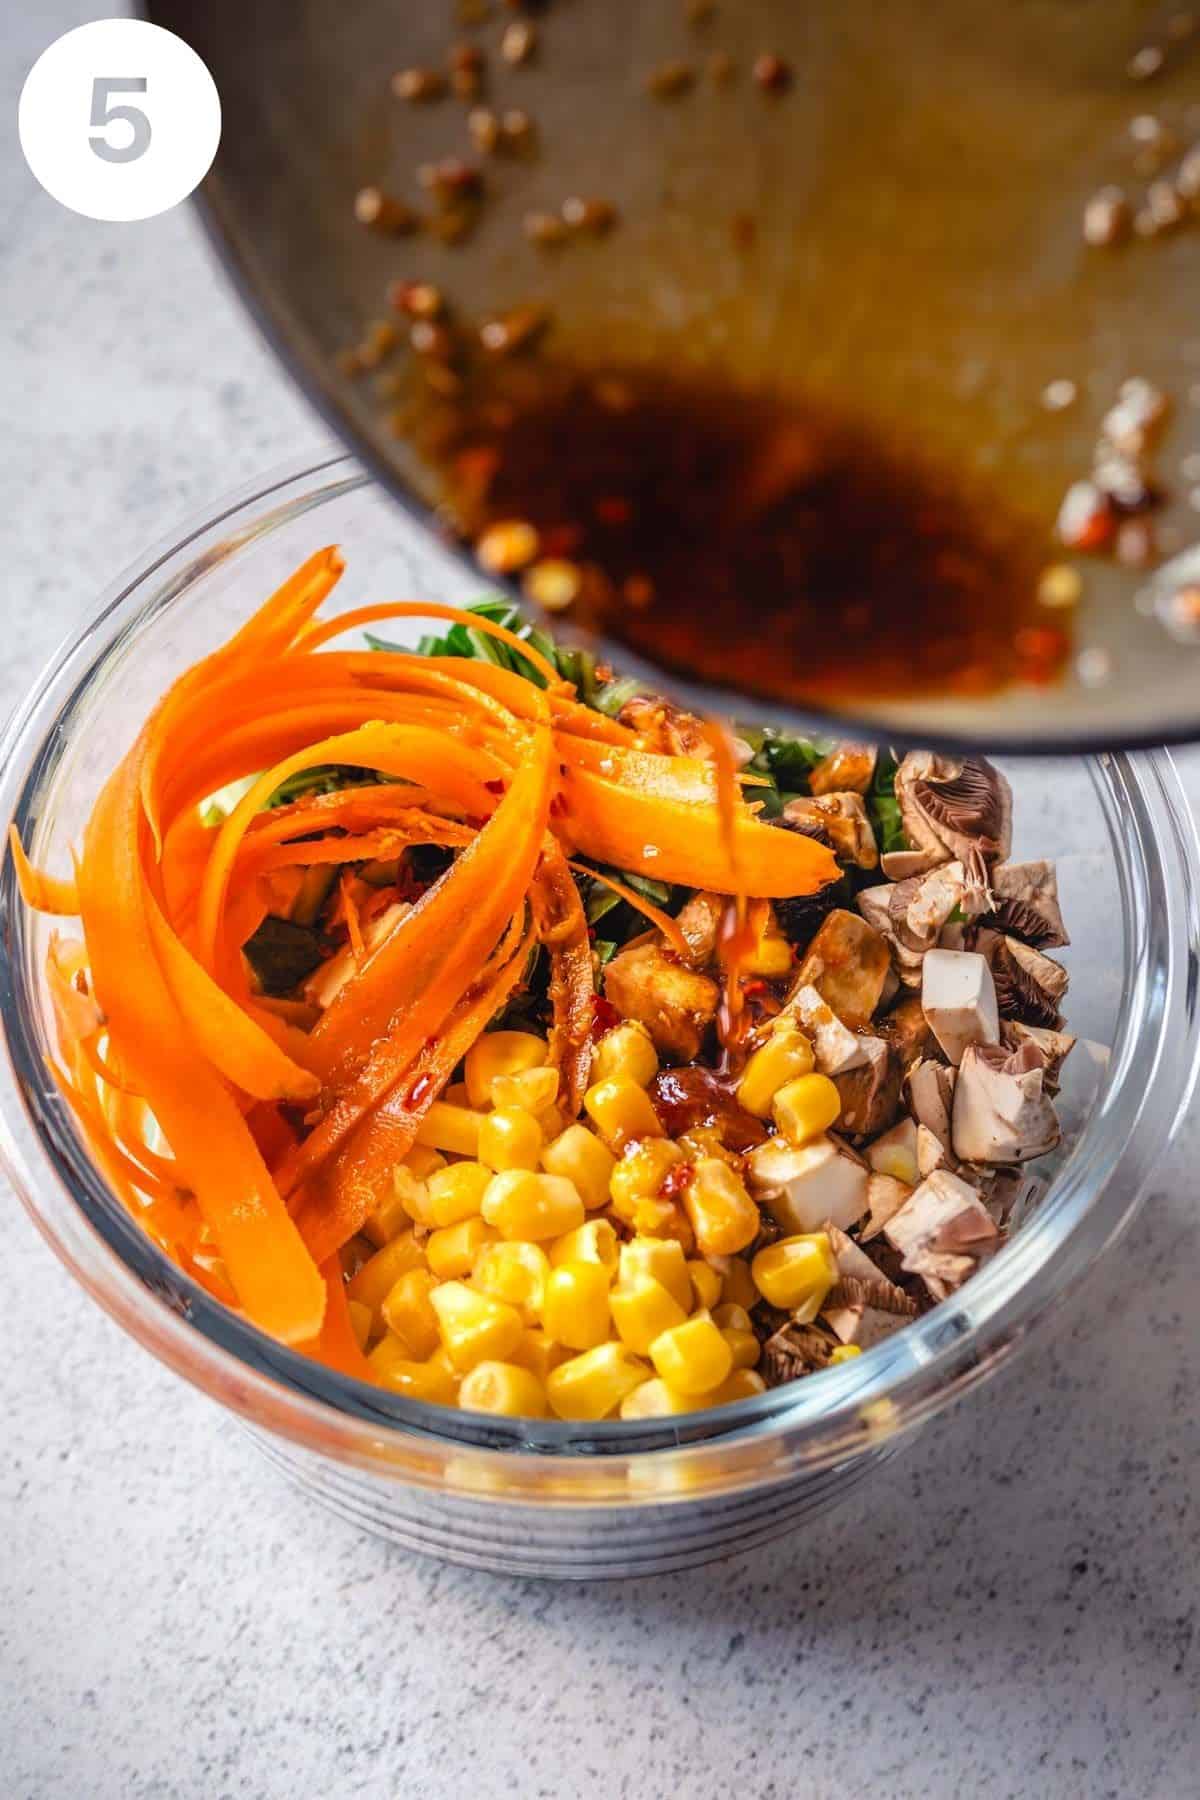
column 883, row 806
column 576, row 666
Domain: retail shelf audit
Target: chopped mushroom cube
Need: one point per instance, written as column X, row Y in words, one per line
column 1025, row 904
column 835, row 1049
column 941, row 1232
column 1029, row 986
column 848, row 769
column 675, row 1004
column 912, row 913
column 953, row 807
column 864, row 1306
column 802, row 1188
column 1055, row 1046
column 847, row 962
column 1010, row 1193
column 931, row 1095
column 906, row 1029
column 958, row 997
column 895, row 1153
column 870, row 1095
column 843, row 817
column 1001, row 1111
column 932, row 1152
column 700, row 922
column 885, row 1196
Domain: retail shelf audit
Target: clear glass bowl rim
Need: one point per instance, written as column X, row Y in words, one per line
column 811, row 1426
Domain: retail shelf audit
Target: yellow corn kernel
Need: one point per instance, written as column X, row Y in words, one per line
column 500, row 1053
column 737, row 1284
column 844, row 1353
column 380, row 1272
column 729, row 1316
column 595, row 1241
column 474, row 1327
column 395, row 1368
column 796, row 1273
column 654, row 1218
column 412, row 1193
column 442, row 1359
column 723, row 1216
column 706, row 1284
column 664, row 1259
column 361, row 1320
column 575, row 1306
column 578, row 1155
column 626, row 1051
column 553, row 1121
column 539, row 1353
column 771, row 956
column 786, row 1054
column 521, row 1204
column 391, row 1215
column 456, row 1192
column 534, row 1089
column 744, row 1347
column 704, row 1141
column 621, row 1112
column 451, row 1252
column 592, row 1385
column 515, row 1272
column 505, row 1388
column 510, row 1138
column 407, row 1312
column 451, row 1128
column 422, row 1160
column 656, row 1399
column 642, row 1309
column 806, row 1107
column 741, row 1384
column 692, row 1357
column 456, row 1094
column 642, row 1169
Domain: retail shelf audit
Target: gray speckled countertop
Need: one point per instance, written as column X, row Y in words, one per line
column 1008, row 1609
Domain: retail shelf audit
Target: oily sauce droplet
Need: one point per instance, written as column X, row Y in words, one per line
column 747, row 537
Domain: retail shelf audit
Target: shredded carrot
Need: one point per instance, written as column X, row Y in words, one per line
column 40, row 892
column 353, row 923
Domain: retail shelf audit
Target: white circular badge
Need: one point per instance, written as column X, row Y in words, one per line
column 119, row 119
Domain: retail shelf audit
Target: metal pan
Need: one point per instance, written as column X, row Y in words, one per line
column 893, row 242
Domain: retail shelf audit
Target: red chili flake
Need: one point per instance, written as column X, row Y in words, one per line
column 558, row 806
column 1086, row 517
column 675, row 1180
column 421, row 1090
column 613, row 509
column 757, row 986
column 604, row 1017
column 1040, row 649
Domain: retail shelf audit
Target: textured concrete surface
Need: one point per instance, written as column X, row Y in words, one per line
column 1010, row 1609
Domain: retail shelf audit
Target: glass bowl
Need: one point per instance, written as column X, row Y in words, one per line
column 546, row 1497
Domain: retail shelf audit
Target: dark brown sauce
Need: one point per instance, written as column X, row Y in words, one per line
column 692, row 1096
column 749, row 539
